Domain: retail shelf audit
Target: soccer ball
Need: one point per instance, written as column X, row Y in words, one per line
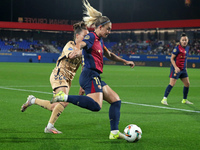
column 133, row 133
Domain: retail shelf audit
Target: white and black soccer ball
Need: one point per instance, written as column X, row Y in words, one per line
column 133, row 133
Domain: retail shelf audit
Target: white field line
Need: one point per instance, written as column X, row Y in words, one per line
column 161, row 107
column 148, row 86
column 146, row 105
column 23, row 90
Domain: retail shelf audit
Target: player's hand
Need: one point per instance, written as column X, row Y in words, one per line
column 177, row 70
column 81, row 91
column 130, row 63
column 75, row 54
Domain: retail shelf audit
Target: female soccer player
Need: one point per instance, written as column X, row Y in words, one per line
column 61, row 78
column 96, row 90
column 179, row 69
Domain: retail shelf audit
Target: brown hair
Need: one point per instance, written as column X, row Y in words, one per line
column 93, row 17
column 78, row 27
column 183, row 34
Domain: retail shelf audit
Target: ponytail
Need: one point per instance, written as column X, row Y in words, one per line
column 93, row 17
column 78, row 27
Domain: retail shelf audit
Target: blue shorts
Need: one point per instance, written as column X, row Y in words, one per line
column 90, row 81
column 181, row 74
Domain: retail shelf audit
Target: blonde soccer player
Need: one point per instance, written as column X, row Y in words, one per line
column 61, row 78
column 179, row 70
column 96, row 90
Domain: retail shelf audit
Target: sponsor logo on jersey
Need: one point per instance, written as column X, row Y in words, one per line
column 99, row 51
column 70, row 49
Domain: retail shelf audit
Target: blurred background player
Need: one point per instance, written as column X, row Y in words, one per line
column 39, row 58
column 61, row 78
column 96, row 90
column 179, row 69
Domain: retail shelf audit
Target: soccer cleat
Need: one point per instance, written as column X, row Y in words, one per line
column 185, row 101
column 52, row 130
column 28, row 103
column 164, row 101
column 119, row 135
column 59, row 97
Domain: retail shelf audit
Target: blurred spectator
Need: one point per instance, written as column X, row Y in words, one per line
column 39, row 58
column 127, row 46
column 151, row 47
column 14, row 45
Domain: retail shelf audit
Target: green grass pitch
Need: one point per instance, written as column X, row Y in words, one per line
column 173, row 127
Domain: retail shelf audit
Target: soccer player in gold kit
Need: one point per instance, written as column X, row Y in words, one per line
column 61, row 78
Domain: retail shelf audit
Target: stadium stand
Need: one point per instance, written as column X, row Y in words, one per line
column 128, row 46
column 21, row 45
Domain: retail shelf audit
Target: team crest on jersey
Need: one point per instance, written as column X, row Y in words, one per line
column 99, row 86
column 174, row 50
column 87, row 37
column 70, row 49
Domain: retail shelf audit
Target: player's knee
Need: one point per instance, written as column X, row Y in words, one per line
column 96, row 108
column 117, row 103
column 64, row 104
column 187, row 84
column 52, row 107
column 117, row 98
column 114, row 98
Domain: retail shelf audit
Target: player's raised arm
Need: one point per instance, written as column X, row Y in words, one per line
column 77, row 50
column 114, row 57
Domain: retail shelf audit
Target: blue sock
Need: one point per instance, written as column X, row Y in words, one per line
column 114, row 115
column 185, row 92
column 167, row 91
column 84, row 102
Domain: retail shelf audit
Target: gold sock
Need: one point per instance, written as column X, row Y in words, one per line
column 43, row 103
column 58, row 109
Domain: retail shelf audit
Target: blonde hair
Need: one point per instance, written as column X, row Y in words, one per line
column 93, row 17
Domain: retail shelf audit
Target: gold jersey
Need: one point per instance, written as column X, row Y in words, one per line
column 66, row 66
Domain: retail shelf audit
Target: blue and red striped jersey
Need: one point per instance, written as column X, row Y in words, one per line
column 181, row 56
column 93, row 52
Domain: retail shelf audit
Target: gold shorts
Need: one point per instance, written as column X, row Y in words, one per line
column 59, row 81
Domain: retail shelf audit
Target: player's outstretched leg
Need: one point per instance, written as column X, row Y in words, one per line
column 59, row 97
column 33, row 100
column 29, row 102
column 81, row 101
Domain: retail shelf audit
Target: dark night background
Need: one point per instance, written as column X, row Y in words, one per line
column 116, row 10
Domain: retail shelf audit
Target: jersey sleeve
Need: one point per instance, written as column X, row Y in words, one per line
column 67, row 49
column 89, row 40
column 187, row 49
column 175, row 51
